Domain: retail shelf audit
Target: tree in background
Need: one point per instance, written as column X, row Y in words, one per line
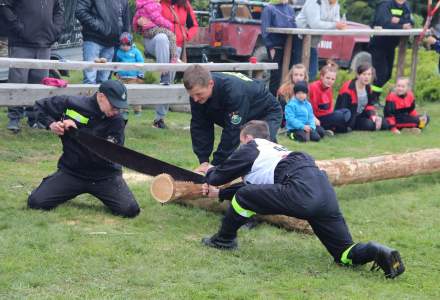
column 362, row 11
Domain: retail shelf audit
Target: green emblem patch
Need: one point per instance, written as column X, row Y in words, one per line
column 235, row 119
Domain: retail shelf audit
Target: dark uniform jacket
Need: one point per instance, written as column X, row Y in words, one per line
column 382, row 17
column 260, row 162
column 76, row 159
column 103, row 21
column 235, row 100
column 33, row 24
column 347, row 98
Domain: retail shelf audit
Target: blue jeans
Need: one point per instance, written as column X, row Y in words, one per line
column 91, row 51
column 297, row 57
column 159, row 47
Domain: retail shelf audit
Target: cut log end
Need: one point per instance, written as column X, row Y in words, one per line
column 162, row 188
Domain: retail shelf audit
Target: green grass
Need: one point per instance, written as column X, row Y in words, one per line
column 80, row 250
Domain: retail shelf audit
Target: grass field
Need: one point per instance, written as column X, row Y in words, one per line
column 80, row 250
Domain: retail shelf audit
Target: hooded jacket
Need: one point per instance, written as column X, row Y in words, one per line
column 33, row 24
column 103, row 21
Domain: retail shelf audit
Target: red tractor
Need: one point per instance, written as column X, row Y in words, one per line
column 234, row 34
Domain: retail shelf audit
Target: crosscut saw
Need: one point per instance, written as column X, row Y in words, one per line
column 132, row 159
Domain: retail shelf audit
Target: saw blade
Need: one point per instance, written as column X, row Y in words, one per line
column 132, row 159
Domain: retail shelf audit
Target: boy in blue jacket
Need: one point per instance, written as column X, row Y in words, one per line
column 300, row 121
column 128, row 53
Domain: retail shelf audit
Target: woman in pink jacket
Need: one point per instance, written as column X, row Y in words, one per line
column 152, row 11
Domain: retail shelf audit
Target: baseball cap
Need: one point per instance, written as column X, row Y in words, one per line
column 116, row 93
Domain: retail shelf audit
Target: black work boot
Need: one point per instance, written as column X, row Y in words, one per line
column 218, row 242
column 226, row 237
column 388, row 260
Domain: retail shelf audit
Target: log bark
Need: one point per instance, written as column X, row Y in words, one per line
column 340, row 172
column 350, row 170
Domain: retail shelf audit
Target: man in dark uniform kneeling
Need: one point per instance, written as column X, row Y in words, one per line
column 228, row 100
column 278, row 181
column 79, row 170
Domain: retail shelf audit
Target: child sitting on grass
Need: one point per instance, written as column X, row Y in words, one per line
column 400, row 109
column 300, row 121
column 128, row 53
column 297, row 73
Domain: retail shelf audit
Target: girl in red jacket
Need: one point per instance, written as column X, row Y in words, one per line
column 357, row 96
column 400, row 109
column 321, row 98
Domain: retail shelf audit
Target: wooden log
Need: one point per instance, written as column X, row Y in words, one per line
column 350, row 170
column 165, row 189
column 114, row 66
column 401, row 56
column 340, row 172
column 12, row 94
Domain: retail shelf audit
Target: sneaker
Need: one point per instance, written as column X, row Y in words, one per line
column 220, row 243
column 14, row 125
column 388, row 260
column 394, row 130
column 329, row 132
column 36, row 125
column 424, row 120
column 159, row 124
column 165, row 78
column 291, row 135
column 413, row 130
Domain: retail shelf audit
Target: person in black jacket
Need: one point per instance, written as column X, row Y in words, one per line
column 389, row 14
column 79, row 170
column 32, row 26
column 278, row 181
column 278, row 13
column 228, row 100
column 102, row 23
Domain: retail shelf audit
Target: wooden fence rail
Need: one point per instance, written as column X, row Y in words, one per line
column 114, row 66
column 17, row 94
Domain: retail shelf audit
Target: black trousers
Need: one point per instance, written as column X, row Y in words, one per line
column 310, row 197
column 383, row 61
column 26, row 76
column 275, row 75
column 303, row 136
column 337, row 120
column 61, row 187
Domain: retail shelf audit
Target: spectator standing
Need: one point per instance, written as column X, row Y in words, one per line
column 277, row 14
column 33, row 26
column 102, row 21
column 185, row 26
column 390, row 14
column 316, row 14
